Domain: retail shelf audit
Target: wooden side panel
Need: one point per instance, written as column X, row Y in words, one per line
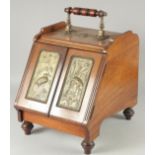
column 118, row 87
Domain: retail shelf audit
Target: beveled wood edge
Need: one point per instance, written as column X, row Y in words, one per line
column 24, row 74
column 100, row 73
column 48, row 29
column 74, row 45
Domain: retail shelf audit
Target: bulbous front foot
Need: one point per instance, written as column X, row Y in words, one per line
column 27, row 127
column 87, row 146
column 128, row 113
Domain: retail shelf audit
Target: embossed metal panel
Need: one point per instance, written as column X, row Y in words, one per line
column 75, row 83
column 42, row 78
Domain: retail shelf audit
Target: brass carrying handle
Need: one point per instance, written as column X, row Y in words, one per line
column 85, row 12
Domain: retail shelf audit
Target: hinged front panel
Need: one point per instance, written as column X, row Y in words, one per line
column 41, row 77
column 75, row 83
column 76, row 89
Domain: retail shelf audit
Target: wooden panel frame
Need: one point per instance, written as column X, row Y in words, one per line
column 31, row 105
column 79, row 116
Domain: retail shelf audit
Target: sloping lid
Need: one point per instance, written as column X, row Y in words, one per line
column 79, row 37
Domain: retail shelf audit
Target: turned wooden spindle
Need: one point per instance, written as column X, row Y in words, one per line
column 27, row 127
column 128, row 113
column 87, row 146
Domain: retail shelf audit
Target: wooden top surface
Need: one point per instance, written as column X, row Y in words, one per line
column 79, row 37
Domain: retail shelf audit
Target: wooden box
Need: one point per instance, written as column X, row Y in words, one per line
column 74, row 79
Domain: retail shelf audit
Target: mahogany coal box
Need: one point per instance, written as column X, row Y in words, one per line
column 76, row 77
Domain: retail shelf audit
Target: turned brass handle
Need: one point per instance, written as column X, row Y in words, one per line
column 85, row 12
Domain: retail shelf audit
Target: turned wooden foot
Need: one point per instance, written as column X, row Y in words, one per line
column 27, row 127
column 87, row 146
column 128, row 113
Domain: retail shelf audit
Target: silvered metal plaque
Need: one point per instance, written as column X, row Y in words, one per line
column 43, row 76
column 75, row 83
